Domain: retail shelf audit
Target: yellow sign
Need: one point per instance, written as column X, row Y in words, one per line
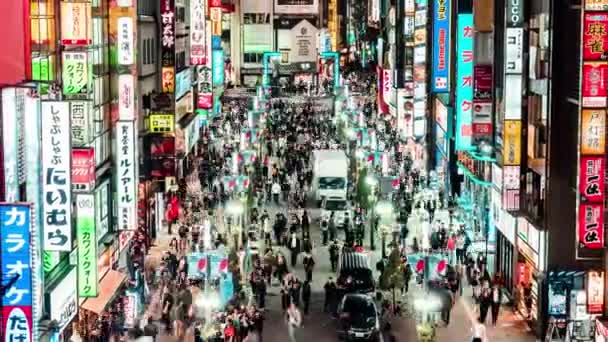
column 162, row 123
column 512, row 143
column 215, row 15
column 333, row 24
column 593, row 131
column 168, row 79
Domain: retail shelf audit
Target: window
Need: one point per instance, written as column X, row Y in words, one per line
column 253, row 57
column 152, row 51
column 180, row 15
column 256, row 18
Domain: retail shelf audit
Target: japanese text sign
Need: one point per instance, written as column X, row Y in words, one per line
column 512, row 142
column 510, row 187
column 591, row 185
column 218, row 67
column 83, row 169
column 125, row 175
column 198, row 41
column 167, row 22
column 87, row 245
column 76, row 23
column 125, row 33
column 441, row 46
column 593, row 131
column 81, row 122
column 162, row 123
column 168, row 79
column 56, row 176
column 205, row 101
column 591, row 225
column 595, row 36
column 595, row 292
column 16, row 247
column 75, row 73
column 126, row 97
column 595, row 77
column 464, row 77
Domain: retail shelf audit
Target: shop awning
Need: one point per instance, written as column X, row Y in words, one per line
column 108, row 287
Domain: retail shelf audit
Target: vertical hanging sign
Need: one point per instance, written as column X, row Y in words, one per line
column 464, row 77
column 198, row 53
column 56, row 180
column 87, row 245
column 440, row 80
column 125, row 175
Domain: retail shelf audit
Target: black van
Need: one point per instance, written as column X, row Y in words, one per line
column 354, row 274
column 359, row 318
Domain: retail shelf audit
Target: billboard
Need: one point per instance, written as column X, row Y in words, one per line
column 183, row 83
column 514, row 47
column 82, row 122
column 56, row 183
column 16, row 249
column 125, row 40
column 87, row 245
column 593, row 131
column 126, row 97
column 464, row 79
column 591, row 225
column 126, row 181
column 512, row 142
column 592, row 176
column 83, row 169
column 595, row 36
column 515, row 13
column 594, row 82
column 168, row 79
column 296, row 7
column 76, row 73
column 198, row 41
column 76, row 23
column 167, row 24
column 440, row 82
column 162, row 123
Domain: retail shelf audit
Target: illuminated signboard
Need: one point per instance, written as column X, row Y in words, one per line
column 218, row 68
column 441, row 47
column 162, row 123
column 464, row 77
column 87, row 245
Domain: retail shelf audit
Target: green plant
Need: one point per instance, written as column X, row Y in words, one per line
column 393, row 278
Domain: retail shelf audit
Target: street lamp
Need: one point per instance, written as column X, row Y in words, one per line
column 384, row 210
column 372, row 182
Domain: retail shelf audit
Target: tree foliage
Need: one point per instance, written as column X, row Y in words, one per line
column 363, row 189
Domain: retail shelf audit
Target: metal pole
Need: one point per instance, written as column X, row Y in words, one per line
column 372, row 220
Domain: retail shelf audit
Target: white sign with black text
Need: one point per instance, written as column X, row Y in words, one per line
column 514, row 41
column 126, row 181
column 126, row 97
column 64, row 300
column 513, row 92
column 82, row 124
column 126, row 52
column 303, row 42
column 57, row 176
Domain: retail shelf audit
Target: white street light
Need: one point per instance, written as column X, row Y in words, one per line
column 235, row 208
column 371, row 181
column 384, row 208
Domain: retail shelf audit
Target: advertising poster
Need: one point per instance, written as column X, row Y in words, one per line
column 596, row 5
column 593, row 131
column 162, row 123
column 591, row 225
column 83, row 169
column 512, row 143
column 126, row 97
column 56, row 185
column 595, row 36
column 76, row 23
column 126, row 181
column 464, row 79
column 82, row 122
column 75, row 73
column 198, row 46
column 16, row 246
column 87, row 245
column 441, row 47
column 592, row 177
column 218, row 68
column 594, row 90
column 168, row 79
column 595, row 292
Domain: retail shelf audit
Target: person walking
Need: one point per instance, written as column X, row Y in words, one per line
column 330, row 293
column 294, row 247
column 306, row 292
column 485, row 300
column 496, row 301
column 334, row 252
column 294, row 321
column 309, row 264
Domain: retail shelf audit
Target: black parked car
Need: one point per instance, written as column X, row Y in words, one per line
column 359, row 318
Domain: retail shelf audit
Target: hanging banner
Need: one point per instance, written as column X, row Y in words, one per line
column 198, row 40
column 591, row 225
column 595, row 36
column 593, row 131
column 83, row 169
column 218, row 68
column 16, row 247
column 167, row 24
column 87, row 245
column 595, row 78
column 126, row 97
column 126, row 51
column 464, row 77
column 75, row 73
column 591, row 173
column 56, row 168
column 76, row 23
column 440, row 82
column 82, row 122
column 126, row 181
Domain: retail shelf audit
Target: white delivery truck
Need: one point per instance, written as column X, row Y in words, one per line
column 330, row 175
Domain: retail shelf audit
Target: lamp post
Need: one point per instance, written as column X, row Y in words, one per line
column 372, row 182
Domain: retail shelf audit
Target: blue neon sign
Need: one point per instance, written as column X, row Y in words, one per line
column 441, row 47
column 218, row 68
column 464, row 79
